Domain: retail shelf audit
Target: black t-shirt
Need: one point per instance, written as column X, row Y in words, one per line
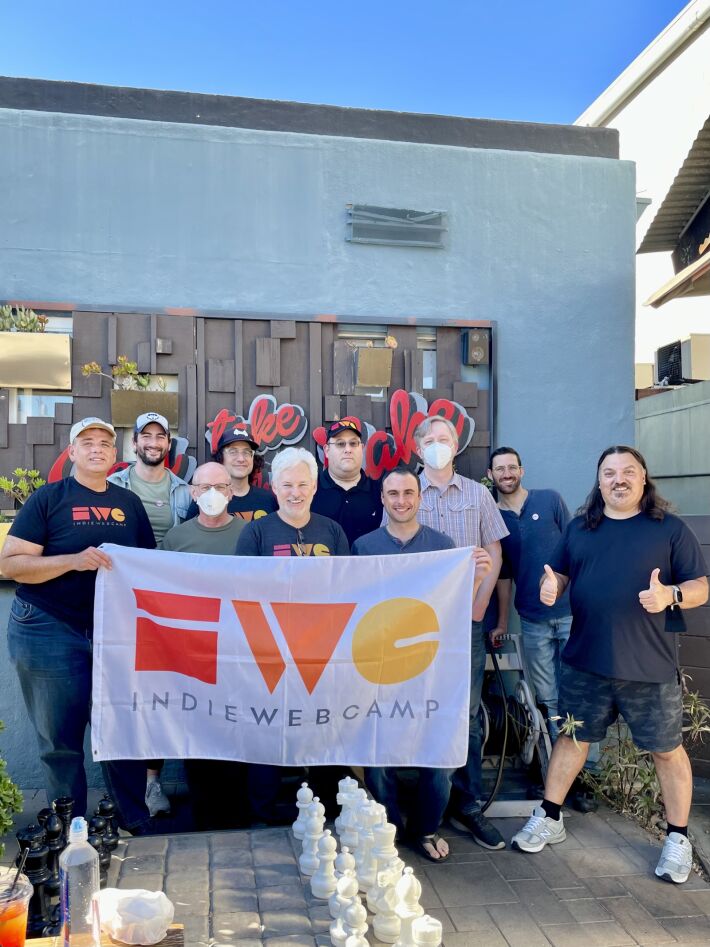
column 358, row 510
column 612, row 634
column 66, row 517
column 253, row 505
column 271, row 536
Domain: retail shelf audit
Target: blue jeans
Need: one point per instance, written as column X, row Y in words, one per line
column 428, row 802
column 53, row 663
column 544, row 642
column 467, row 786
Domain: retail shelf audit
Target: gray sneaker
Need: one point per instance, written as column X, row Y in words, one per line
column 676, row 859
column 540, row 830
column 156, row 800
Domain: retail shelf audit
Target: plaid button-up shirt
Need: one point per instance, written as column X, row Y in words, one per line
column 464, row 510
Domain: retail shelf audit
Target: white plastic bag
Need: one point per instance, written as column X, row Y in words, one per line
column 135, row 916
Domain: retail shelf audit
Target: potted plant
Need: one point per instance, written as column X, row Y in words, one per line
column 18, row 490
column 10, row 799
column 29, row 356
column 134, row 393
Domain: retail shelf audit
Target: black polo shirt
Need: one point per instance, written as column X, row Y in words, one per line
column 358, row 510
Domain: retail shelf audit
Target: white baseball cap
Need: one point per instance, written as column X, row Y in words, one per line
column 151, row 417
column 87, row 423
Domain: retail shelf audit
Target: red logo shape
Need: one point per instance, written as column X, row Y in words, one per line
column 312, row 633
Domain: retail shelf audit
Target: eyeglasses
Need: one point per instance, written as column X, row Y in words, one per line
column 219, row 487
column 238, row 452
column 512, row 468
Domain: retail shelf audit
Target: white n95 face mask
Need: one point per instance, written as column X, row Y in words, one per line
column 437, row 455
column 212, row 503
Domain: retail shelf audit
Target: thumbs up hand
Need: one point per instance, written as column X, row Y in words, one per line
column 549, row 587
column 657, row 597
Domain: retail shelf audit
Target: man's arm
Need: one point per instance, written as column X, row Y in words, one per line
column 485, row 589
column 23, row 561
column 657, row 597
column 504, row 589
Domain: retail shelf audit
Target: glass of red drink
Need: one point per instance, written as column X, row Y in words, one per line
column 13, row 908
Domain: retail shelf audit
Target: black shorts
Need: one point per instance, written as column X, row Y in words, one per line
column 653, row 712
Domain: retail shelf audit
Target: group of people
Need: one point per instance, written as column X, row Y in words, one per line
column 597, row 596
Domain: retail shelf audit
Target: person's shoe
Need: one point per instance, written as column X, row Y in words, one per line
column 540, row 830
column 484, row 832
column 676, row 859
column 156, row 800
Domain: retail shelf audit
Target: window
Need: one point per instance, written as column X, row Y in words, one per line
column 395, row 226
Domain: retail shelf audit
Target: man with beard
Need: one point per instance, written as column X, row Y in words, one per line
column 166, row 498
column 345, row 493
column 633, row 567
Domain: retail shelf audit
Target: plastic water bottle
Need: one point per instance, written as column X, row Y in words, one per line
column 79, row 887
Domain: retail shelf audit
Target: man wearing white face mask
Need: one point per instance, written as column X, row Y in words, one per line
column 213, row 531
column 465, row 511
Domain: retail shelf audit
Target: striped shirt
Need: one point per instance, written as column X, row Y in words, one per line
column 464, row 510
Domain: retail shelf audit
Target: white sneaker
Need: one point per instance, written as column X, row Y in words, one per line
column 540, row 830
column 155, row 799
column 676, row 859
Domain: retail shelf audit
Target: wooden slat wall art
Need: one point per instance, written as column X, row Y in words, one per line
column 226, row 363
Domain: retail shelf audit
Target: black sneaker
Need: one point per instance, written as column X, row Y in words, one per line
column 484, row 832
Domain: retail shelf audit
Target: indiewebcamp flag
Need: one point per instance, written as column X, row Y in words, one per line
column 294, row 661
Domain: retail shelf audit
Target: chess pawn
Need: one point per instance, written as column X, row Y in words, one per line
column 356, row 940
column 386, row 925
column 304, row 797
column 345, row 892
column 355, row 920
column 54, row 834
column 107, row 809
column 323, row 880
column 347, row 896
column 308, row 861
column 343, row 861
column 348, row 819
column 97, row 842
column 408, row 908
column 427, row 931
column 64, row 807
column 346, row 790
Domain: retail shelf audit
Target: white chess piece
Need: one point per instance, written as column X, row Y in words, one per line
column 346, row 790
column 345, row 895
column 323, row 880
column 382, row 851
column 308, row 861
column 355, row 920
column 386, row 925
column 426, row 932
column 348, row 818
column 344, row 861
column 408, row 908
column 366, row 864
column 304, row 797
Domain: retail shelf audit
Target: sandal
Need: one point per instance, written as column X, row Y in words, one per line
column 419, row 846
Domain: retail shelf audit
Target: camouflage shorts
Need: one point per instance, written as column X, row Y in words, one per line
column 653, row 712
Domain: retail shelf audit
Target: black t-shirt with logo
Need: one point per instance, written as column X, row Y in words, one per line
column 253, row 505
column 271, row 536
column 65, row 518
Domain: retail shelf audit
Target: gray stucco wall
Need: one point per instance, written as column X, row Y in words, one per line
column 124, row 213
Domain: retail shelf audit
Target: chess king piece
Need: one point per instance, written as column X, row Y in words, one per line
column 427, row 931
column 345, row 895
column 304, row 797
column 323, row 880
column 408, row 908
column 308, row 861
column 346, row 791
column 32, row 837
column 386, row 924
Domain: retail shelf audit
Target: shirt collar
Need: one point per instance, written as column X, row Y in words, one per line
column 328, row 483
column 454, row 482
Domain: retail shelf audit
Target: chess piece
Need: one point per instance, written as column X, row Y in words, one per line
column 408, row 909
column 386, row 925
column 308, row 860
column 64, row 807
column 304, row 797
column 382, row 851
column 366, row 865
column 323, row 880
column 54, row 836
column 348, row 818
column 97, row 841
column 346, row 789
column 32, row 837
column 107, row 809
column 43, row 815
column 345, row 894
column 343, row 861
column 355, row 921
column 427, row 931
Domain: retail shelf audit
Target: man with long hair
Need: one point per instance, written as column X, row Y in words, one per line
column 632, row 567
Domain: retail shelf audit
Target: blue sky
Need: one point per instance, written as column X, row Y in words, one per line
column 528, row 61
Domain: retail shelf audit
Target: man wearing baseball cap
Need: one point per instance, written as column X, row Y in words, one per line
column 237, row 452
column 166, row 498
column 345, row 493
column 53, row 552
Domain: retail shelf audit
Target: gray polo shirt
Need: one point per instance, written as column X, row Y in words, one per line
column 381, row 543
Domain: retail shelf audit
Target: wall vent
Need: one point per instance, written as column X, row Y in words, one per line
column 395, row 226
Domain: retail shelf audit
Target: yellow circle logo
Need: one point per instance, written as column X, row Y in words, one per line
column 377, row 652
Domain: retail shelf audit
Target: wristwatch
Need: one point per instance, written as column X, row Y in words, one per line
column 677, row 595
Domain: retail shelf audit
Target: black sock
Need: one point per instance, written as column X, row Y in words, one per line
column 552, row 809
column 680, row 829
